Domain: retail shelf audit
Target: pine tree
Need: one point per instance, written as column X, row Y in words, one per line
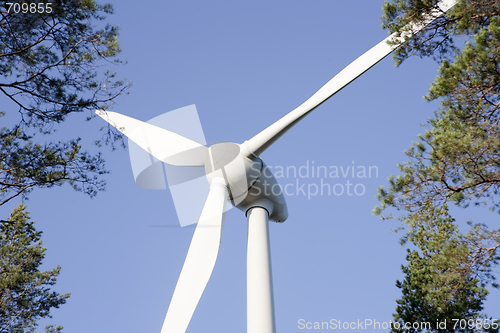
column 55, row 59
column 442, row 282
column 455, row 162
column 25, row 294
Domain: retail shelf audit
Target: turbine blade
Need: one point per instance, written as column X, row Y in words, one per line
column 199, row 262
column 260, row 142
column 164, row 145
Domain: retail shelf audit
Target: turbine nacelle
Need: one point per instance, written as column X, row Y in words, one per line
column 268, row 194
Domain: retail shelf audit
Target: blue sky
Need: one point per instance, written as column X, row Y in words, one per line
column 244, row 64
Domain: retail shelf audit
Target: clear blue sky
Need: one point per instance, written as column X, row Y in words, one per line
column 244, row 64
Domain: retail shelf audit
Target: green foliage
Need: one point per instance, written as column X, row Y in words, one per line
column 442, row 279
column 53, row 329
column 456, row 161
column 25, row 294
column 26, row 165
column 438, row 39
column 53, row 65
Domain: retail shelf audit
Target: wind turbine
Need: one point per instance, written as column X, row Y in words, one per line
column 236, row 173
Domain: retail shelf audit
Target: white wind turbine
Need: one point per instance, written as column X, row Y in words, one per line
column 236, row 173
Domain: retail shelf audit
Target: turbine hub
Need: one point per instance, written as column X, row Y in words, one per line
column 249, row 181
column 225, row 160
